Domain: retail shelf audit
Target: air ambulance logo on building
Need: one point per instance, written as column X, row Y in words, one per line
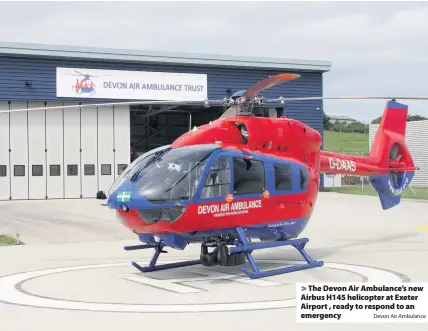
column 84, row 85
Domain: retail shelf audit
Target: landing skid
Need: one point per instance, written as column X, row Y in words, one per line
column 152, row 265
column 241, row 246
column 247, row 248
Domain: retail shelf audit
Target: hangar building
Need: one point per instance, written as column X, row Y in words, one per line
column 76, row 152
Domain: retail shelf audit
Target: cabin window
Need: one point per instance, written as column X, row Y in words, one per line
column 218, row 179
column 89, row 169
column 72, row 170
column 249, row 176
column 3, row 170
column 19, row 170
column 37, row 170
column 55, row 170
column 283, row 177
column 304, row 178
column 121, row 168
column 105, row 169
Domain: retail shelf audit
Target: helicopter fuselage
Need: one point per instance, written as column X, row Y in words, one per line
column 211, row 180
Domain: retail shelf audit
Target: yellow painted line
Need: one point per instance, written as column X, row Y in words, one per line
column 422, row 228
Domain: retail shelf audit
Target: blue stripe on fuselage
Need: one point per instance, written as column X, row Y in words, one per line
column 268, row 231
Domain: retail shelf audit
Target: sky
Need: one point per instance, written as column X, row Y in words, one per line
column 376, row 48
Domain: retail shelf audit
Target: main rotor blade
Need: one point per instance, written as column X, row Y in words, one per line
column 267, row 83
column 110, row 104
column 351, row 98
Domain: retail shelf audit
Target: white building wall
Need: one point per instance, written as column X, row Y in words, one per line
column 4, row 152
column 72, row 171
column 19, row 151
column 417, row 142
column 332, row 180
column 36, row 151
column 105, row 147
column 122, row 139
column 89, row 137
column 54, row 152
column 61, row 153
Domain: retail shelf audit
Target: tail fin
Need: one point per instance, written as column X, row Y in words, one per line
column 389, row 148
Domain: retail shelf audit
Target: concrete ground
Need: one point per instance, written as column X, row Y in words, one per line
column 73, row 273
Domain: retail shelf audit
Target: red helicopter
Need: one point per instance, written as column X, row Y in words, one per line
column 243, row 178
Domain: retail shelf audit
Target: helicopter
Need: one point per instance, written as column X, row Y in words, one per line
column 243, row 183
column 85, row 85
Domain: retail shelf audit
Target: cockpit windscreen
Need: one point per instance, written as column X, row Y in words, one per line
column 175, row 174
column 138, row 165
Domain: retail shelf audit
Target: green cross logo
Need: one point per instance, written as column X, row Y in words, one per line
column 124, row 196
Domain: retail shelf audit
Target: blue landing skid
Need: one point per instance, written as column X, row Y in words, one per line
column 158, row 250
column 247, row 248
column 242, row 245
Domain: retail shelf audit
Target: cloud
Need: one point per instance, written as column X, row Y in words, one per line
column 377, row 48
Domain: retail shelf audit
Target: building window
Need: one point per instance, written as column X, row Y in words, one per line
column 3, row 170
column 89, row 170
column 72, row 170
column 55, row 170
column 19, row 170
column 283, row 177
column 304, row 178
column 37, row 170
column 121, row 168
column 105, row 169
column 249, row 176
column 217, row 181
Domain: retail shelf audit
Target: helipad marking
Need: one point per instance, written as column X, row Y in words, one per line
column 178, row 285
column 9, row 293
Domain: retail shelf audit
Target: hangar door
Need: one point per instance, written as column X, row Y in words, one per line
column 61, row 153
column 155, row 126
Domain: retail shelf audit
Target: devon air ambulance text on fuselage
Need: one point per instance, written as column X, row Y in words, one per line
column 231, row 206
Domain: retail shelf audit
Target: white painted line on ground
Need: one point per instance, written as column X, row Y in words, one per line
column 10, row 294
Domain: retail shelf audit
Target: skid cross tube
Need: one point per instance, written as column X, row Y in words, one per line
column 248, row 248
column 152, row 265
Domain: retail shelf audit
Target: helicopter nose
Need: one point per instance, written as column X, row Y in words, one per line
column 121, row 196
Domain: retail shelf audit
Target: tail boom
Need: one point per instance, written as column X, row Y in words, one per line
column 335, row 163
column 389, row 166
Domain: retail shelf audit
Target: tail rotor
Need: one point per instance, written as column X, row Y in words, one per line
column 390, row 150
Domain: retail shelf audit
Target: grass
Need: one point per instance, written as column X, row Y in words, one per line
column 6, row 240
column 420, row 192
column 348, row 143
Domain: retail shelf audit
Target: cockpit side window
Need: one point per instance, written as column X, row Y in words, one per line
column 248, row 175
column 304, row 177
column 217, row 180
column 283, row 177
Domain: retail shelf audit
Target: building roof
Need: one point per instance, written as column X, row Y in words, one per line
column 110, row 54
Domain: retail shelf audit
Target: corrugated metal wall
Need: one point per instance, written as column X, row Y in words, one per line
column 417, row 142
column 15, row 71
